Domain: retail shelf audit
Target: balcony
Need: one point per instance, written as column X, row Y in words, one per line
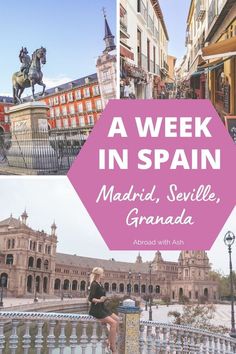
column 144, row 63
column 212, row 12
column 200, row 10
column 150, row 24
column 142, row 11
column 124, row 23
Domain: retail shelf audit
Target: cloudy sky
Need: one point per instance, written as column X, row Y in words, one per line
column 72, row 31
column 53, row 198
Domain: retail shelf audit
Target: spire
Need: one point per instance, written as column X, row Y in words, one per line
column 53, row 228
column 109, row 38
column 24, row 217
column 158, row 257
column 139, row 258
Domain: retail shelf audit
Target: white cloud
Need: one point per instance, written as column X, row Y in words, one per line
column 6, row 94
column 53, row 82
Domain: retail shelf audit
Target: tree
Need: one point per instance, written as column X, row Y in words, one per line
column 224, row 283
column 199, row 316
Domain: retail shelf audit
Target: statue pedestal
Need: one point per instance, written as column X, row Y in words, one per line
column 30, row 145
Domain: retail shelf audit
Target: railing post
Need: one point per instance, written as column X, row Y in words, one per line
column 129, row 328
column 2, row 337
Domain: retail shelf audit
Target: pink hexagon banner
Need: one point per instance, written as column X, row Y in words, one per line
column 157, row 175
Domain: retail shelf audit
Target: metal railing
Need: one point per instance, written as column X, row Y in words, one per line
column 163, row 338
column 142, row 9
column 212, row 12
column 50, row 333
column 46, row 151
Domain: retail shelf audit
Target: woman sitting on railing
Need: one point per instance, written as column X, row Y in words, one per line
column 97, row 297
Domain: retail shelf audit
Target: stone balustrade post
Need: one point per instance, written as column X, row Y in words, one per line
column 129, row 332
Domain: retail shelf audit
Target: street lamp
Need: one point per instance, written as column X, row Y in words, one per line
column 150, row 296
column 229, row 241
column 3, row 280
column 35, row 288
column 62, row 293
column 129, row 292
column 139, row 283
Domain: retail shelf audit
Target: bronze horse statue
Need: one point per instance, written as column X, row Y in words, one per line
column 32, row 76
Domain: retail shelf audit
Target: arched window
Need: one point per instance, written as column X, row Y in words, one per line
column 129, row 288
column 106, row 287
column 158, row 289
column 206, row 293
column 82, row 285
column 121, row 288
column 29, row 284
column 181, row 293
column 9, row 259
column 45, row 284
column 39, row 263
column 46, row 263
column 150, row 289
column 37, row 285
column 74, row 285
column 136, row 288
column 4, row 280
column 113, row 287
column 57, row 284
column 143, row 288
column 66, row 284
column 31, row 262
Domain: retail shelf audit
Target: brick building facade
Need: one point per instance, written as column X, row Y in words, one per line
column 31, row 265
column 76, row 104
column 5, row 103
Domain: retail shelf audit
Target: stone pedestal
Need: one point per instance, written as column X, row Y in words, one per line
column 129, row 329
column 30, row 146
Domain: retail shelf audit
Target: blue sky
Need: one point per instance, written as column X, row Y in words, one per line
column 175, row 14
column 72, row 31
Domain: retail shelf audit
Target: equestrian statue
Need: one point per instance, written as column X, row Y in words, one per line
column 30, row 73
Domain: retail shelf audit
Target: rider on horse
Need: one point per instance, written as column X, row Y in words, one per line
column 26, row 61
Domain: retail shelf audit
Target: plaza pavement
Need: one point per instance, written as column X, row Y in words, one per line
column 222, row 314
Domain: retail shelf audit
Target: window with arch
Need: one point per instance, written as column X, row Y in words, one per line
column 82, row 285
column 57, row 284
column 31, row 262
column 9, row 259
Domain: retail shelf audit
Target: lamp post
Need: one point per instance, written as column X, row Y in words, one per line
column 35, row 289
column 129, row 277
column 62, row 294
column 139, row 284
column 150, row 296
column 88, row 276
column 3, row 282
column 229, row 241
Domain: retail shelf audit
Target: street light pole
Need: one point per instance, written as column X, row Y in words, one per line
column 139, row 284
column 129, row 292
column 150, row 296
column 35, row 289
column 229, row 241
column 2, row 280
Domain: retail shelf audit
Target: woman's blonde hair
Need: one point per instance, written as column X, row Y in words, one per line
column 96, row 272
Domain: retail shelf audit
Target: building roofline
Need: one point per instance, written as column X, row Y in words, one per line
column 190, row 13
column 157, row 8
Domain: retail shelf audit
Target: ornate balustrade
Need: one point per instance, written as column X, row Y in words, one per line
column 50, row 333
column 54, row 333
column 163, row 338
